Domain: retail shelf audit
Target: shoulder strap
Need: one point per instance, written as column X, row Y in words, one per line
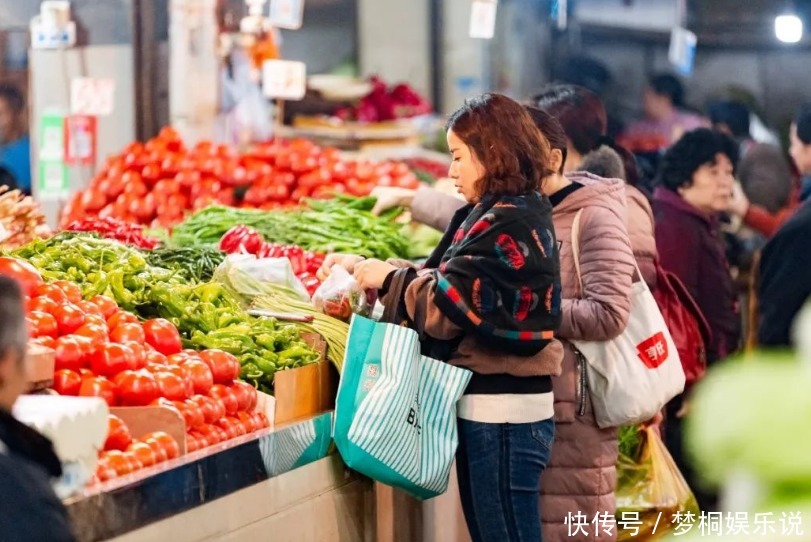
column 576, row 252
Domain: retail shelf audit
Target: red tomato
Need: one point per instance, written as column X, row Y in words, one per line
column 51, row 292
column 163, row 336
column 172, row 386
column 138, row 352
column 67, row 382
column 47, row 342
column 94, row 199
column 184, row 375
column 232, row 427
column 42, row 304
column 107, row 305
column 44, row 324
column 228, row 398
column 224, row 366
column 155, row 357
column 94, row 332
column 144, row 453
column 119, row 462
column 121, row 317
column 248, row 422
column 69, row 354
column 124, row 333
column 200, row 374
column 88, row 307
column 99, row 386
column 118, row 434
column 191, row 413
column 192, row 444
column 260, row 419
column 97, row 320
column 105, row 470
column 166, row 441
column 69, row 318
column 111, row 359
column 135, row 463
column 72, row 291
column 212, row 409
column 245, row 394
column 23, row 272
column 212, row 433
column 136, row 388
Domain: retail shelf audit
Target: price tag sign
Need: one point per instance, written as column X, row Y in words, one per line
column 483, row 19
column 80, row 140
column 287, row 14
column 682, row 51
column 91, row 96
column 284, row 79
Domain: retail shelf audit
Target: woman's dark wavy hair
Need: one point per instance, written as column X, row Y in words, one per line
column 695, row 149
column 552, row 130
column 514, row 153
column 585, row 121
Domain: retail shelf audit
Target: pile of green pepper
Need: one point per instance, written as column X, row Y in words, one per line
column 206, row 313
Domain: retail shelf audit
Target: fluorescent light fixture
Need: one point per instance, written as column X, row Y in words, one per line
column 788, row 28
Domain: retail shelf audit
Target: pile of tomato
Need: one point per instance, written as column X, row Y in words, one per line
column 103, row 351
column 158, row 182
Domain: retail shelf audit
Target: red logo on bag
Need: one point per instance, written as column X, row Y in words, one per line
column 653, row 351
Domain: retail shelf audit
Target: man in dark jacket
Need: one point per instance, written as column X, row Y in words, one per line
column 785, row 282
column 29, row 508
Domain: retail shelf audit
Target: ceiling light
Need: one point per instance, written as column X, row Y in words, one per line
column 788, row 28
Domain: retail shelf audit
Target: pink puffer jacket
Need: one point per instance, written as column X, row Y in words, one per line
column 641, row 232
column 581, row 476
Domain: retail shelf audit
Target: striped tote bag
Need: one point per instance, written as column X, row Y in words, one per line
column 395, row 414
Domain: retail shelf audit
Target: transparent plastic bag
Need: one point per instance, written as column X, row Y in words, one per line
column 277, row 271
column 340, row 296
column 647, row 487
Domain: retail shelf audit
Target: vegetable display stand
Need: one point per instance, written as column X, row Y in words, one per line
column 277, row 484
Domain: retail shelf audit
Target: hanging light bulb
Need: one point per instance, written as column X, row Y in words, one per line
column 788, row 28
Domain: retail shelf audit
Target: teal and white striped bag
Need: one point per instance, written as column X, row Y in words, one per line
column 395, row 415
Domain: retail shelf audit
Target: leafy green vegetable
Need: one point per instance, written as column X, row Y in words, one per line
column 196, row 264
column 339, row 225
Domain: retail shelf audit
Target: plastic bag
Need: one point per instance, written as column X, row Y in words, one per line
column 340, row 296
column 647, row 487
column 273, row 270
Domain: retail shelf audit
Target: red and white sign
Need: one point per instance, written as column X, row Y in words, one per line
column 653, row 351
column 80, row 140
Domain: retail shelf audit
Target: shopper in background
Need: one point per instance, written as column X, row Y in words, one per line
column 476, row 295
column 696, row 177
column 785, row 282
column 583, row 117
column 666, row 119
column 29, row 508
column 768, row 189
column 581, row 476
column 15, row 146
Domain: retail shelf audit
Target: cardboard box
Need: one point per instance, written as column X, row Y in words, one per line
column 143, row 420
column 306, row 391
column 41, row 363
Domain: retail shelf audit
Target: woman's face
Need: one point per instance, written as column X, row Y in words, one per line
column 465, row 170
column 800, row 152
column 711, row 187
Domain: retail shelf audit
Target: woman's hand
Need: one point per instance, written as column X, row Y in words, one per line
column 371, row 274
column 347, row 261
column 389, row 197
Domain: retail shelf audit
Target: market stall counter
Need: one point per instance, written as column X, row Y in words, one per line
column 284, row 481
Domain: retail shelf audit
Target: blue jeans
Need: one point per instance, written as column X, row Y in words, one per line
column 499, row 468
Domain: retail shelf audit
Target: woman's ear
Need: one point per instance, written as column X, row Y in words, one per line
column 556, row 160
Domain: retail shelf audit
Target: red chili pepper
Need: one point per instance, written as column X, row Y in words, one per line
column 241, row 239
column 111, row 228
